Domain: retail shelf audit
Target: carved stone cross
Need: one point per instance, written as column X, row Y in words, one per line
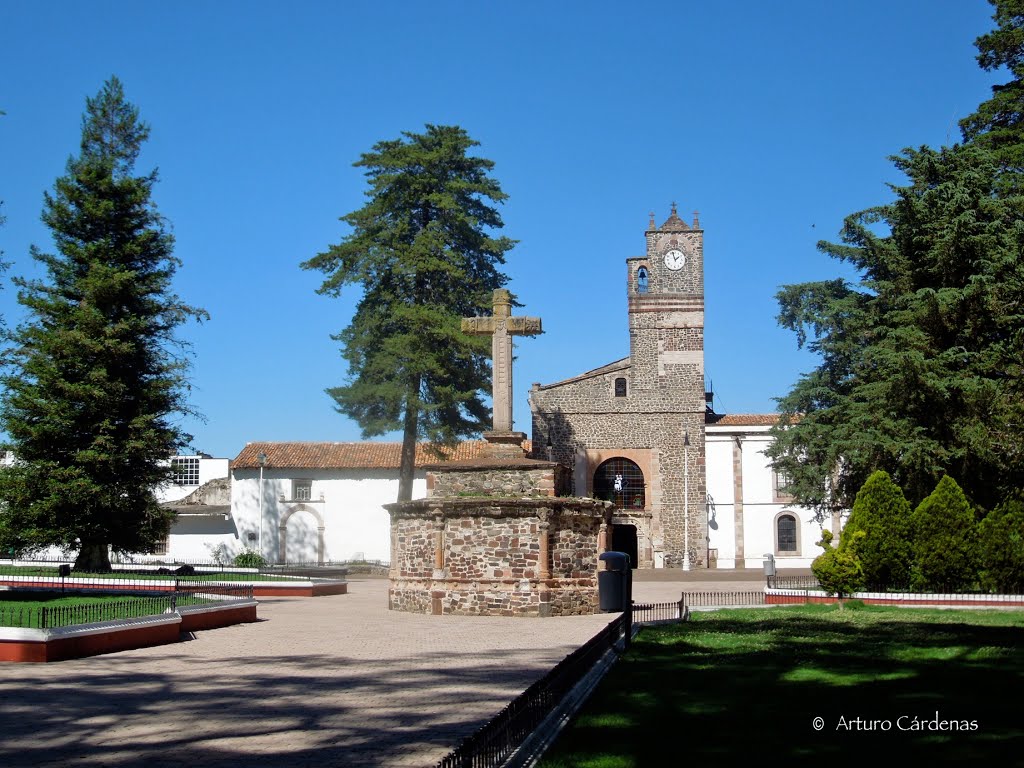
column 502, row 327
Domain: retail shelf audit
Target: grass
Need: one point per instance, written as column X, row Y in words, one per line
column 745, row 686
column 54, row 610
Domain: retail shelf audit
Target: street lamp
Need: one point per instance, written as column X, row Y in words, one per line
column 262, row 459
column 686, row 499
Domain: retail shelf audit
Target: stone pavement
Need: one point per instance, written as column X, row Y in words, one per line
column 329, row 681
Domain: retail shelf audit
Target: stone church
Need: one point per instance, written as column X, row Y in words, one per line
column 636, row 431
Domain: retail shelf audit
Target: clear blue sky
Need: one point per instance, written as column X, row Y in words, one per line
column 773, row 119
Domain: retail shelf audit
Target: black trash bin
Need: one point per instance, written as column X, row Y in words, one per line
column 615, row 585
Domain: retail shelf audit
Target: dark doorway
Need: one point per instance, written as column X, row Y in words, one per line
column 624, row 540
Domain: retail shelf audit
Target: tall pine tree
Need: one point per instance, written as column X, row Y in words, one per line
column 921, row 360
column 998, row 123
column 97, row 374
column 423, row 252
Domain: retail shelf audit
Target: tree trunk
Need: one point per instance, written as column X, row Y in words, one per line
column 407, row 470
column 93, row 558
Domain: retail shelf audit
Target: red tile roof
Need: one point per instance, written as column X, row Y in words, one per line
column 744, row 419
column 365, row 455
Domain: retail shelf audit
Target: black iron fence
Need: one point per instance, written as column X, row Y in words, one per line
column 659, row 613
column 792, row 582
column 499, row 738
column 48, row 617
column 164, row 597
column 722, row 599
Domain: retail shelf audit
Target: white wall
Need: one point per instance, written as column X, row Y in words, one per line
column 760, row 505
column 348, row 503
column 721, row 524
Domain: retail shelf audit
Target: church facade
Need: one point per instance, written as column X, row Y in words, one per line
column 639, row 432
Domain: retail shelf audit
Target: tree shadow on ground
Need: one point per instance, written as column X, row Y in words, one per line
column 325, row 710
column 903, row 689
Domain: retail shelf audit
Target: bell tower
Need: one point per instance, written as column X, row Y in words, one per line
column 666, row 339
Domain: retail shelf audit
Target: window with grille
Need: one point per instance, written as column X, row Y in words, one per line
column 302, row 490
column 620, row 387
column 621, row 482
column 786, row 528
column 185, row 471
column 781, row 482
column 160, row 547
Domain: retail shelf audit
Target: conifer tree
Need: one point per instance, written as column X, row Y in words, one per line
column 1002, row 547
column 998, row 123
column 945, row 535
column 423, row 252
column 883, row 515
column 97, row 374
column 921, row 361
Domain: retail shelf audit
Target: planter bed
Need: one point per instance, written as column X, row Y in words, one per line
column 73, row 642
column 285, row 587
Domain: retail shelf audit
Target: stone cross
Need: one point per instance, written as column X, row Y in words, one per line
column 501, row 327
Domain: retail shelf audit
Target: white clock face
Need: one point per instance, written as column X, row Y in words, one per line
column 675, row 259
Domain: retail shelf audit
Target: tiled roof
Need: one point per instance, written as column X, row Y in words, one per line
column 744, row 419
column 365, row 455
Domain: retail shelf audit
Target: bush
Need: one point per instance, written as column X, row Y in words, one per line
column 838, row 570
column 1001, row 535
column 946, row 551
column 250, row 559
column 883, row 515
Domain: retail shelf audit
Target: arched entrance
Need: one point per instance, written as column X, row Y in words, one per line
column 621, row 482
column 624, row 539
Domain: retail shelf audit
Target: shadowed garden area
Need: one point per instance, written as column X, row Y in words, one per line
column 931, row 685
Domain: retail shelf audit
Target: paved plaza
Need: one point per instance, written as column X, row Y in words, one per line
column 331, row 681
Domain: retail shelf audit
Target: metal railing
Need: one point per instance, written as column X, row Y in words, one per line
column 164, row 599
column 659, row 613
column 500, row 737
column 722, row 599
column 48, row 617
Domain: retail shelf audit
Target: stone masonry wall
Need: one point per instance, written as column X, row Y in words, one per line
column 513, row 482
column 491, row 553
column 492, row 548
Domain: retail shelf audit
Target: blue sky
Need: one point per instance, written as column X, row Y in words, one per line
column 774, row 120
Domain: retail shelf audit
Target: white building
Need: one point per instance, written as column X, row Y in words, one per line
column 319, row 502
column 748, row 516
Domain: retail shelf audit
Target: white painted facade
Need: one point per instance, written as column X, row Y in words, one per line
column 343, row 519
column 744, row 521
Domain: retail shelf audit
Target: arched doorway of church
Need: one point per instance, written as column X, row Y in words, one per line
column 624, row 540
column 621, row 482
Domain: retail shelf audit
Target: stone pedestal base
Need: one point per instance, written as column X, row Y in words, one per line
column 505, row 445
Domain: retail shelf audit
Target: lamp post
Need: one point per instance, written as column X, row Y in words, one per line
column 262, row 459
column 686, row 499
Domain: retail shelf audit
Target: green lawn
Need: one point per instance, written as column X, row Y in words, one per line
column 26, row 609
column 746, row 686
